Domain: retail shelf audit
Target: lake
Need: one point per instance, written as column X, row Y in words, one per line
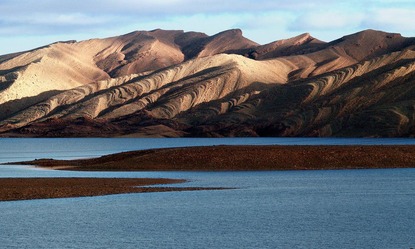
column 18, row 149
column 278, row 209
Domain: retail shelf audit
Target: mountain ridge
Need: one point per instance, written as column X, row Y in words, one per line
column 175, row 83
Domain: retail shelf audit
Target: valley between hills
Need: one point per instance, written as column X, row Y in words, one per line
column 167, row 83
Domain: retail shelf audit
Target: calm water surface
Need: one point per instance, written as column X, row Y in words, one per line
column 280, row 209
column 18, row 149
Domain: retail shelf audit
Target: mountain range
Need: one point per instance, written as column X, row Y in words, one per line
column 171, row 83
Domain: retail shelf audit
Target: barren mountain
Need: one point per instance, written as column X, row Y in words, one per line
column 175, row 83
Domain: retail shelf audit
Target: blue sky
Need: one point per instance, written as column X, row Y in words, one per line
column 26, row 24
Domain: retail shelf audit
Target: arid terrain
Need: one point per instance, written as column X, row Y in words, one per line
column 164, row 83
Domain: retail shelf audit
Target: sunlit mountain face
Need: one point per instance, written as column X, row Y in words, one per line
column 164, row 83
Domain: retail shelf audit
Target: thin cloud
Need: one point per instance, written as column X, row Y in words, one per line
column 261, row 20
column 76, row 19
column 50, row 16
column 150, row 7
column 391, row 19
column 326, row 21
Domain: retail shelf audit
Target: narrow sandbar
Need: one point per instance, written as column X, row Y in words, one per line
column 220, row 158
column 13, row 189
column 210, row 158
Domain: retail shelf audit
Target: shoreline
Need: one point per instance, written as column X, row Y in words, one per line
column 205, row 158
column 16, row 189
column 244, row 158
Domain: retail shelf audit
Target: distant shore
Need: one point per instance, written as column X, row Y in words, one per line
column 208, row 158
column 228, row 158
column 13, row 189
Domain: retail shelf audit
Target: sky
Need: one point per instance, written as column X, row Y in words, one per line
column 27, row 24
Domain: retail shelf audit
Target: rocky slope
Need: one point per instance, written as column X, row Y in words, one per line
column 175, row 83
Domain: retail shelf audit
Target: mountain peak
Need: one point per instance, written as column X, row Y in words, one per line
column 300, row 44
column 369, row 43
column 193, row 84
column 232, row 32
column 228, row 41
